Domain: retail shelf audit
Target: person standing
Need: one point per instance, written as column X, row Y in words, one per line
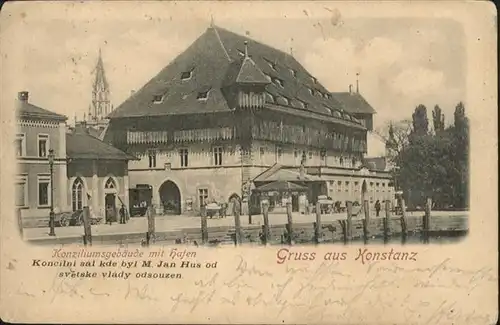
column 122, row 214
column 377, row 207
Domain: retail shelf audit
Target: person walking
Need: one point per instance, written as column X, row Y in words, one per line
column 122, row 215
column 377, row 207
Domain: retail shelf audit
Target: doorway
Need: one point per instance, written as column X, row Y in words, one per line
column 110, row 204
column 170, row 198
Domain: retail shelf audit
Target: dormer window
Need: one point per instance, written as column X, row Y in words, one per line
column 268, row 77
column 203, row 95
column 157, row 99
column 314, row 80
column 287, row 100
column 310, row 91
column 279, row 82
column 293, row 72
column 271, row 64
column 302, row 104
column 270, row 98
column 186, row 75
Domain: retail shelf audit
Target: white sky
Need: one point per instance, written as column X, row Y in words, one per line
column 52, row 49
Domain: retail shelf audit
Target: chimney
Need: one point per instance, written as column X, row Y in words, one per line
column 23, row 96
column 246, row 49
column 357, row 82
column 350, row 89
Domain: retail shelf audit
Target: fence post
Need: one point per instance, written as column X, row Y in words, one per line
column 265, row 215
column 348, row 231
column 404, row 231
column 317, row 228
column 427, row 220
column 151, row 225
column 387, row 221
column 87, row 229
column 366, row 221
column 290, row 222
column 20, row 221
column 237, row 226
column 204, row 230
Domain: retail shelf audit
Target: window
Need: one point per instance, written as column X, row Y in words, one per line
column 353, row 162
column 110, row 184
column 21, row 192
column 339, row 186
column 262, row 150
column 295, row 153
column 347, row 186
column 341, row 161
column 279, row 82
column 43, row 191
column 203, row 196
column 157, row 99
column 271, row 64
column 217, row 156
column 43, row 144
column 279, row 153
column 19, row 145
column 184, row 157
column 186, row 75
column 203, row 95
column 152, row 158
column 310, row 91
column 77, row 194
column 293, row 72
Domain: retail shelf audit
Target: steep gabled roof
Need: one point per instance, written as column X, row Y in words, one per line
column 217, row 59
column 354, row 103
column 27, row 110
column 81, row 145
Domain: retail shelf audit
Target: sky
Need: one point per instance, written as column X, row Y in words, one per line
column 402, row 62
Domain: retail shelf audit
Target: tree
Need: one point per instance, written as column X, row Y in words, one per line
column 420, row 122
column 438, row 119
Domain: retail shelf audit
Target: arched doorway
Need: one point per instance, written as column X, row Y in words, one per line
column 230, row 203
column 170, row 198
column 110, row 195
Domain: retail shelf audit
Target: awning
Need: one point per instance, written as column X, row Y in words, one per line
column 281, row 186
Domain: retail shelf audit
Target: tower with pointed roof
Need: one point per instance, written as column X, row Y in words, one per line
column 100, row 105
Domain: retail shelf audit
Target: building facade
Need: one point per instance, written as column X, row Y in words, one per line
column 39, row 130
column 224, row 112
column 86, row 171
column 97, row 174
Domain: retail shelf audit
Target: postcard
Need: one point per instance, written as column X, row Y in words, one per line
column 276, row 162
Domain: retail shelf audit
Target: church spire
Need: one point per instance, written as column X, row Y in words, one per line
column 101, row 104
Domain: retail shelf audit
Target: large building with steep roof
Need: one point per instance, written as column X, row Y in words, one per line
column 224, row 112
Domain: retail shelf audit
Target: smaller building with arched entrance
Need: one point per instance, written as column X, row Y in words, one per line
column 97, row 175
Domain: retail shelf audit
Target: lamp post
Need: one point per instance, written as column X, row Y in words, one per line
column 51, row 216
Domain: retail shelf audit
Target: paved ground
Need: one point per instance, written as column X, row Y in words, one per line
column 173, row 223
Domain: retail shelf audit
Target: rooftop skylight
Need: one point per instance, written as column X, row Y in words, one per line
column 186, row 75
column 203, row 95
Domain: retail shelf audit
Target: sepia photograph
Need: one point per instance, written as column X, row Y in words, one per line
column 328, row 132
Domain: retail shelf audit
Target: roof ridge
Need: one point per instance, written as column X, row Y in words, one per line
column 221, row 43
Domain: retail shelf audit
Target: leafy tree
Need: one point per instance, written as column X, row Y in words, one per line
column 438, row 119
column 420, row 122
column 435, row 165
